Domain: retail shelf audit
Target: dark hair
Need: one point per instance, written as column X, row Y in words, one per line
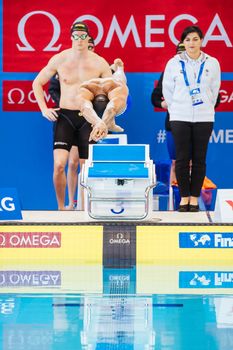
column 191, row 29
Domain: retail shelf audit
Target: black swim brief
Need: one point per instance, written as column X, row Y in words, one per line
column 72, row 129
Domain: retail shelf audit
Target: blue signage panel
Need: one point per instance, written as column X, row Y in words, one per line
column 206, row 279
column 9, row 204
column 206, row 240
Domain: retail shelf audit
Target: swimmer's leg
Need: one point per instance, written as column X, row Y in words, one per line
column 113, row 108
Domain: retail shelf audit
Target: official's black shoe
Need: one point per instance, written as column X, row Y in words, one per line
column 193, row 208
column 183, row 208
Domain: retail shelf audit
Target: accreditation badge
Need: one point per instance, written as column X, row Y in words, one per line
column 196, row 96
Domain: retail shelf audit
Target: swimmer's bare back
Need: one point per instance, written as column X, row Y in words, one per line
column 101, row 85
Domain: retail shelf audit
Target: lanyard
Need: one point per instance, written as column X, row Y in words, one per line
column 185, row 73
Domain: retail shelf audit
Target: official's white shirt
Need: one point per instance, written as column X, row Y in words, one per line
column 177, row 94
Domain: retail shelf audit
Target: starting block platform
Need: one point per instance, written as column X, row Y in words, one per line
column 118, row 180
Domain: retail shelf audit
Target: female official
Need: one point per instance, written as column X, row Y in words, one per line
column 191, row 84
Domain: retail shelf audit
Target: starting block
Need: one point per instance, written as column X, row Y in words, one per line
column 118, row 180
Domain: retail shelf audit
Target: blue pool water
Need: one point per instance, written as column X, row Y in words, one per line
column 119, row 318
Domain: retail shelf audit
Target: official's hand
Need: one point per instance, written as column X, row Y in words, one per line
column 50, row 114
column 164, row 104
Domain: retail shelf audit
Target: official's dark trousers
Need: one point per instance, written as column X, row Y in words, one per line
column 191, row 142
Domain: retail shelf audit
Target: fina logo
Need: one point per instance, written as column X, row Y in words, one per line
column 206, row 279
column 120, row 239
column 201, row 280
column 206, row 240
column 203, row 240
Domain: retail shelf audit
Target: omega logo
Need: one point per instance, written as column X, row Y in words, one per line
column 22, row 36
column 120, row 239
column 123, row 35
column 17, row 96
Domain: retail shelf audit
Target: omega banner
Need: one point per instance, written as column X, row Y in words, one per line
column 144, row 35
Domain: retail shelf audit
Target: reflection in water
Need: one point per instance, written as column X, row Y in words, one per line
column 119, row 318
column 85, row 322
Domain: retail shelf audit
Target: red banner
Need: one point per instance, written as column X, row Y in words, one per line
column 19, row 96
column 226, row 92
column 143, row 35
column 30, row 239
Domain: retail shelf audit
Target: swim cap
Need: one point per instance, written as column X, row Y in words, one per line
column 91, row 44
column 100, row 103
column 180, row 47
column 91, row 40
column 79, row 26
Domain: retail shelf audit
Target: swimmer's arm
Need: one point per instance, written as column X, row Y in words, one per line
column 105, row 70
column 42, row 78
